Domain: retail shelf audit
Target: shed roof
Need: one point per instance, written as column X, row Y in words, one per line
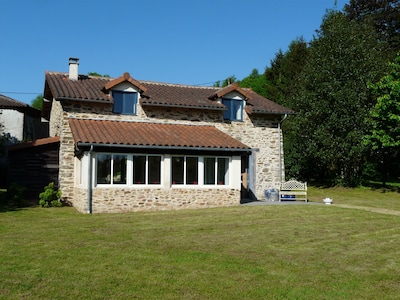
column 35, row 143
column 152, row 135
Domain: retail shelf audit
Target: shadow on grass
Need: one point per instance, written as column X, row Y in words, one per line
column 388, row 187
column 6, row 205
column 373, row 185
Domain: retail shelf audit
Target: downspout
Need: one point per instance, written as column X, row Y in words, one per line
column 280, row 148
column 90, row 175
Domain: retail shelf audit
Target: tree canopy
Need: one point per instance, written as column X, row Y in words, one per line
column 384, row 15
column 331, row 83
column 386, row 112
column 37, row 102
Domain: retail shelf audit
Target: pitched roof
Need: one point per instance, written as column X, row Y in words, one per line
column 257, row 104
column 152, row 135
column 230, row 88
column 86, row 88
column 95, row 89
column 175, row 95
column 125, row 77
column 9, row 103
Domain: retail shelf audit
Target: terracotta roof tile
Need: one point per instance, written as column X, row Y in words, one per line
column 257, row 104
column 151, row 135
column 179, row 95
column 230, row 88
column 125, row 77
column 86, row 88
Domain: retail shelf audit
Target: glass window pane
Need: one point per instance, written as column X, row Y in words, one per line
column 124, row 102
column 139, row 169
column 154, row 170
column 209, row 170
column 223, row 171
column 234, row 109
column 129, row 106
column 237, row 111
column 119, row 169
column 103, row 169
column 192, row 170
column 178, row 170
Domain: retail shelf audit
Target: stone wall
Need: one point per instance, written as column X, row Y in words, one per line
column 66, row 172
column 114, row 200
column 56, row 118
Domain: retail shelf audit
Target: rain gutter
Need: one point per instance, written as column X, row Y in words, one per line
column 90, row 180
column 81, row 144
column 280, row 147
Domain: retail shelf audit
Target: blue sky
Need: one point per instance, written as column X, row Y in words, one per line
column 177, row 41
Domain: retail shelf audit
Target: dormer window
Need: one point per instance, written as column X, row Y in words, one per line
column 234, row 110
column 125, row 102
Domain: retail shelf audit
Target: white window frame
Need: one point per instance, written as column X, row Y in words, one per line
column 201, row 173
column 165, row 178
column 233, row 116
column 129, row 170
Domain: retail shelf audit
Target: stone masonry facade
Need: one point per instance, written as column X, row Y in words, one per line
column 115, row 200
column 258, row 132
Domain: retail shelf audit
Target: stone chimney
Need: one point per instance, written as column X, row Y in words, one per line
column 73, row 68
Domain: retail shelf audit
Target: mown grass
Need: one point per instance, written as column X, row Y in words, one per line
column 373, row 196
column 246, row 252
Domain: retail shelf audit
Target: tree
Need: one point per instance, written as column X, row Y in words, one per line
column 284, row 68
column 384, row 14
column 386, row 113
column 223, row 83
column 385, row 118
column 257, row 82
column 37, row 102
column 95, row 74
column 331, row 97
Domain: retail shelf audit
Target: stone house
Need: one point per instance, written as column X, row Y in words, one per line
column 130, row 145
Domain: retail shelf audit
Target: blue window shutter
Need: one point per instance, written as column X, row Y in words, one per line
column 118, row 102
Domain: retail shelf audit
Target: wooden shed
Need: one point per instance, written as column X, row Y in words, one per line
column 34, row 165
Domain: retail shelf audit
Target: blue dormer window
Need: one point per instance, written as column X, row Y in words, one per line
column 234, row 110
column 125, row 102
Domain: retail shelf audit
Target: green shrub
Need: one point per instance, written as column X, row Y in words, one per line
column 50, row 197
column 16, row 194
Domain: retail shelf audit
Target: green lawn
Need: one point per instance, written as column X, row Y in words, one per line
column 246, row 252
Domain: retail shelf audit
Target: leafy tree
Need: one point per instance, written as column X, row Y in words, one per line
column 331, row 97
column 385, row 118
column 385, row 15
column 257, row 82
column 284, row 68
column 386, row 113
column 37, row 102
column 95, row 74
column 223, row 83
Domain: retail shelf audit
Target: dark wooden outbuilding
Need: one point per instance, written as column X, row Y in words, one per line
column 34, row 165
